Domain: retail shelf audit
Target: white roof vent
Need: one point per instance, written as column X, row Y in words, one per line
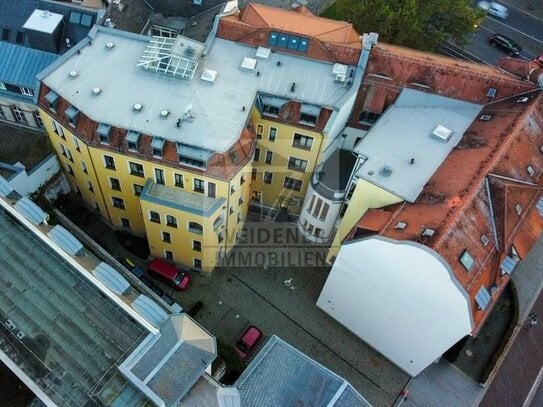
column 138, row 107
column 523, row 99
column 248, row 64
column 400, row 225
column 428, row 232
column 164, row 113
column 263, row 53
column 73, row 74
column 339, row 69
column 209, row 75
column 96, row 91
column 109, row 45
column 485, row 117
column 442, row 133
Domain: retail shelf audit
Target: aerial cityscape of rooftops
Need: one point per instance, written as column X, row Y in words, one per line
column 271, row 203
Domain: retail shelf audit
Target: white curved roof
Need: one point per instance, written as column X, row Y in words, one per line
column 66, row 240
column 149, row 310
column 32, row 212
column 111, row 278
column 398, row 296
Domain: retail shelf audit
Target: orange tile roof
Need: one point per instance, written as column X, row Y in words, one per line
column 473, row 196
column 301, row 21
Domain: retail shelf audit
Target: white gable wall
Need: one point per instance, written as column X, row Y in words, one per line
column 400, row 297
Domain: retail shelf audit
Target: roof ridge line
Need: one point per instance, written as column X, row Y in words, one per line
column 484, row 171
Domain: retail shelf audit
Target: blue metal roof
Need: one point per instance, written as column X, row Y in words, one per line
column 20, row 65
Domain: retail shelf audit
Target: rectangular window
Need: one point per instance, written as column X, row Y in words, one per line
column 296, row 201
column 318, row 232
column 179, row 181
column 297, row 164
column 26, row 91
column 168, row 255
column 272, row 134
column 19, row 115
column 270, row 110
column 117, row 202
column 71, row 114
column 52, row 99
column 69, row 170
column 171, row 221
column 324, row 212
column 238, row 220
column 242, row 180
column 159, row 176
column 75, row 17
column 301, row 141
column 115, row 184
column 269, row 157
column 136, row 169
column 109, row 162
column 154, row 216
column 196, row 228
column 308, row 119
column 257, row 154
column 157, row 145
column 232, row 190
column 233, row 156
column 125, row 223
column 240, row 201
column 58, row 129
column 466, row 260
column 138, row 189
column 196, row 246
column 84, row 167
column 76, row 144
column 291, row 183
column 6, row 31
column 199, row 185
column 211, row 189
column 256, row 196
column 311, row 202
column 368, row 117
column 267, row 178
column 254, row 173
column 259, row 130
column 20, row 38
column 166, row 237
column 197, row 264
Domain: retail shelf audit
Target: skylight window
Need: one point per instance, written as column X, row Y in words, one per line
column 292, row 42
column 466, row 260
column 442, row 133
column 209, row 75
column 263, row 53
column 248, row 64
column 483, row 297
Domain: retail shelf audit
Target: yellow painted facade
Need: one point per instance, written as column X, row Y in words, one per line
column 278, row 138
column 106, row 180
column 364, row 197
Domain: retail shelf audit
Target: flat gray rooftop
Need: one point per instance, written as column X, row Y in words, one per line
column 217, row 108
column 401, row 152
column 55, row 325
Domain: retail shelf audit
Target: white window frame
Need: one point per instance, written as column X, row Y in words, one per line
column 26, row 91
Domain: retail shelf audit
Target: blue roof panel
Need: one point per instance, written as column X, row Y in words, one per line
column 20, row 65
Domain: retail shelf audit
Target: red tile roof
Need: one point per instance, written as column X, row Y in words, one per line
column 482, row 198
column 329, row 40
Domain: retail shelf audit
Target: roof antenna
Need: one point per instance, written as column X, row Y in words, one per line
column 412, row 161
column 178, row 124
column 278, row 63
column 293, row 87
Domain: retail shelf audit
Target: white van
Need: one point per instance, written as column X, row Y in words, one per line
column 494, row 9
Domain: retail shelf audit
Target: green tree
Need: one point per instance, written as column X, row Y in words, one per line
column 420, row 24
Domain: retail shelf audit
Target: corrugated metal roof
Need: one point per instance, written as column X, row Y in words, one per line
column 20, row 65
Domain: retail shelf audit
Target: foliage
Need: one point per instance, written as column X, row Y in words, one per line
column 420, row 24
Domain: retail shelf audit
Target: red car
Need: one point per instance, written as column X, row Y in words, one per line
column 247, row 341
column 170, row 273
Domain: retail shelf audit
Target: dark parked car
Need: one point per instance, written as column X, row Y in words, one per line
column 248, row 340
column 505, row 43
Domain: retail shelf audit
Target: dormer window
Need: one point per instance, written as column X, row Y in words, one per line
column 52, row 99
column 466, row 260
column 103, row 132
column 72, row 114
column 157, row 145
column 132, row 138
column 293, row 42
